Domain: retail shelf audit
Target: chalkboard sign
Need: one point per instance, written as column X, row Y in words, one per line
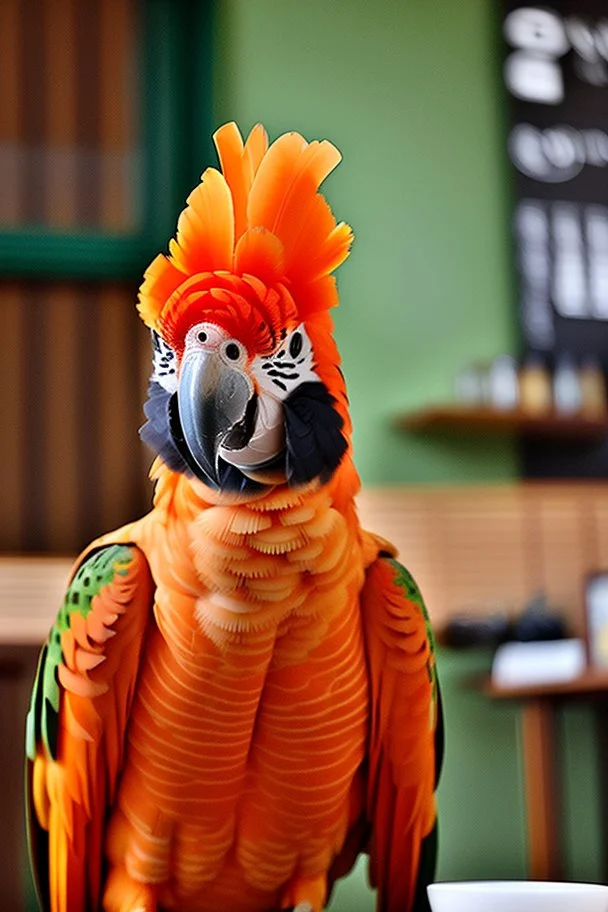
column 556, row 78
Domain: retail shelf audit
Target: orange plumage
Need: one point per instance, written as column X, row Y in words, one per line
column 248, row 698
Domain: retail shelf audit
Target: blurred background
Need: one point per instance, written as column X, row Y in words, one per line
column 472, row 328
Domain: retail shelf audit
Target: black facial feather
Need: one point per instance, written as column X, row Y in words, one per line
column 313, row 433
column 232, row 479
column 156, row 431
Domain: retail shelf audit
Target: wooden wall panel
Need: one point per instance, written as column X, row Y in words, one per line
column 564, row 551
column 122, row 478
column 494, row 547
column 473, row 568
column 11, row 412
column 60, row 110
column 118, row 112
column 31, row 592
column 32, row 111
column 598, row 509
column 10, row 162
column 61, row 450
column 71, row 403
column 69, row 113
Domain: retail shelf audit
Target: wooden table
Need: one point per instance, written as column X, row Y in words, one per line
column 541, row 764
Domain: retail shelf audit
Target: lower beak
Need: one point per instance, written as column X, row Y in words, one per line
column 212, row 399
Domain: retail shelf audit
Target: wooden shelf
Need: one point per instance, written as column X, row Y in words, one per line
column 592, row 683
column 469, row 419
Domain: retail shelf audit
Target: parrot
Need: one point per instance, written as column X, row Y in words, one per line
column 239, row 695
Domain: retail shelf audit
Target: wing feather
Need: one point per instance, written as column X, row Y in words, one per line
column 77, row 723
column 404, row 734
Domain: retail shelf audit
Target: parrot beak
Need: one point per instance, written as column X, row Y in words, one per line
column 216, row 406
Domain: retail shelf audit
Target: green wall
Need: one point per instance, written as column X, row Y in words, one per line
column 407, row 90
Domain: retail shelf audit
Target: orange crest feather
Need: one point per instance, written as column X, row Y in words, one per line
column 261, row 221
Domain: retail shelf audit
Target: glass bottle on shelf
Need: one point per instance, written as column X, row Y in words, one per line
column 503, row 383
column 535, row 394
column 593, row 388
column 566, row 386
column 471, row 385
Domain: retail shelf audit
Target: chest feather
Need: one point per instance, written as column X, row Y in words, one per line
column 260, row 567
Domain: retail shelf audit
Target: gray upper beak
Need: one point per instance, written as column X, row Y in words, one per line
column 212, row 398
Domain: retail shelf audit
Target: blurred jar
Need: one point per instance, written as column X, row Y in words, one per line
column 566, row 386
column 593, row 388
column 472, row 385
column 535, row 394
column 503, row 383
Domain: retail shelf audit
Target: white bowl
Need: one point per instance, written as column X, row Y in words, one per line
column 517, row 896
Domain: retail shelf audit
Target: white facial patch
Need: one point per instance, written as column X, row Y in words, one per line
column 164, row 361
column 267, row 440
column 276, row 376
column 287, row 368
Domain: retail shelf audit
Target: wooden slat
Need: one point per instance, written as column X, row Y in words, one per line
column 69, row 112
column 118, row 442
column 533, row 552
column 10, row 51
column 61, row 86
column 10, row 157
column 111, row 486
column 88, row 57
column 88, row 351
column 11, row 416
column 599, row 511
column 564, row 552
column 31, row 591
column 483, row 552
column 61, row 446
column 32, row 109
column 32, row 381
column 71, row 410
column 117, row 114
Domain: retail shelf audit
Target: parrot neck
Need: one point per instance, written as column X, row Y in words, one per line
column 252, row 564
column 183, row 497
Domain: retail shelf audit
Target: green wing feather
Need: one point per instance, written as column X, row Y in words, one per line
column 406, row 581
column 77, row 722
column 92, row 576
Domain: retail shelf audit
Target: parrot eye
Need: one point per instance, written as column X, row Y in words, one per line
column 232, row 351
column 295, row 344
column 202, row 336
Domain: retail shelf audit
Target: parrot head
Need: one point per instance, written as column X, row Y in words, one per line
column 246, row 389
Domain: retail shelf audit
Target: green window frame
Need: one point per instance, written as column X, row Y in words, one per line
column 176, row 80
